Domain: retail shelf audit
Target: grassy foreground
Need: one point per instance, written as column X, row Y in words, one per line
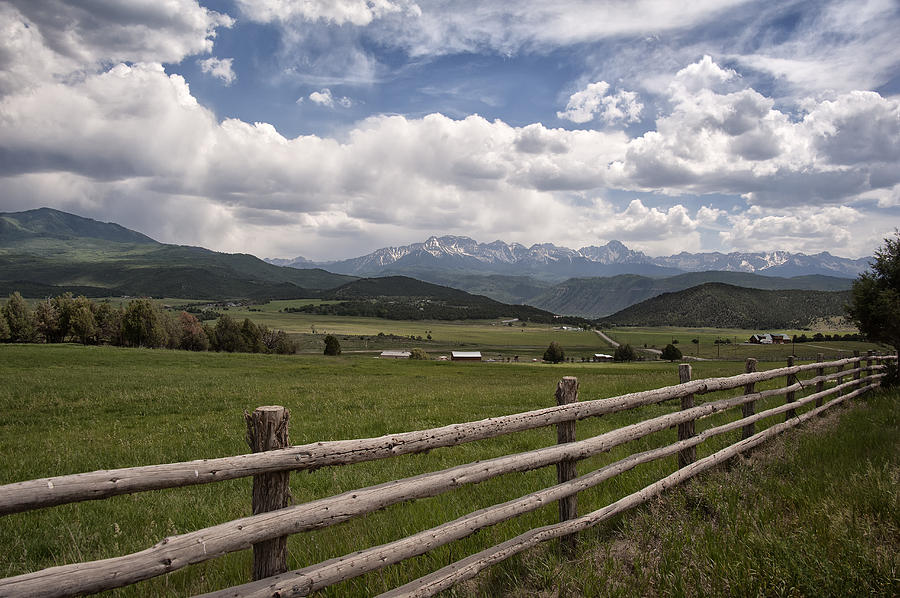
column 816, row 512
column 67, row 409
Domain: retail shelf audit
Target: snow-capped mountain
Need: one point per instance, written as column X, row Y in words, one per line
column 550, row 262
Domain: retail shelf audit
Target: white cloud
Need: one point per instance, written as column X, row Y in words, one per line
column 219, row 68
column 339, row 12
column 110, row 31
column 325, row 98
column 810, row 231
column 593, row 102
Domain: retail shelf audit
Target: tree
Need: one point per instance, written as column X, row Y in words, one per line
column 142, row 325
column 4, row 328
column 82, row 321
column 193, row 337
column 332, row 346
column 554, row 353
column 418, row 353
column 671, row 352
column 18, row 319
column 624, row 353
column 46, row 322
column 875, row 297
column 227, row 336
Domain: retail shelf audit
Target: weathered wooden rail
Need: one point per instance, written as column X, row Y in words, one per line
column 273, row 520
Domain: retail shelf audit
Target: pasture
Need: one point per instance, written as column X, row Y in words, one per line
column 68, row 409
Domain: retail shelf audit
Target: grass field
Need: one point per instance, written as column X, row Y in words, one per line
column 488, row 336
column 67, row 409
column 738, row 349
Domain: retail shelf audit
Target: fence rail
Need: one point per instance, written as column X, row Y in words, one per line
column 273, row 521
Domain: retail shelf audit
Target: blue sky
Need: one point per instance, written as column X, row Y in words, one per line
column 330, row 128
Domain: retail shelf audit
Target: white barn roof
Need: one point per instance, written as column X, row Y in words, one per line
column 465, row 354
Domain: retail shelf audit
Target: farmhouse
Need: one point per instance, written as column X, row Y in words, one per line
column 602, row 357
column 465, row 355
column 395, row 354
column 770, row 339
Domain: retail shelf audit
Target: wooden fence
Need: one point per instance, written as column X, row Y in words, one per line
column 273, row 460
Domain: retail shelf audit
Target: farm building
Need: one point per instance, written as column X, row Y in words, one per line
column 770, row 339
column 395, row 354
column 602, row 357
column 465, row 355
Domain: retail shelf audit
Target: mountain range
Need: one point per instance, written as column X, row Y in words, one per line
column 46, row 252
column 551, row 263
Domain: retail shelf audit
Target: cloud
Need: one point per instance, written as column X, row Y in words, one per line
column 324, row 98
column 338, row 12
column 219, row 68
column 812, row 231
column 593, row 102
column 110, row 31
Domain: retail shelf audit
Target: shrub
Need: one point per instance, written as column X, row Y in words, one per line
column 418, row 353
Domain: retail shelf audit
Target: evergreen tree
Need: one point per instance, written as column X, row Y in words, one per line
column 332, row 346
column 671, row 352
column 554, row 353
column 624, row 353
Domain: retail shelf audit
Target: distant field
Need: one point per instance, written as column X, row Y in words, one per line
column 738, row 348
column 531, row 339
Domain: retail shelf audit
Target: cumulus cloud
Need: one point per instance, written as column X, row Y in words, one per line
column 593, row 102
column 325, row 98
column 133, row 142
column 814, row 230
column 219, row 68
column 105, row 31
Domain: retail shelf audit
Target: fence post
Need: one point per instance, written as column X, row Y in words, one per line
column 869, row 356
column 748, row 409
column 856, row 374
column 820, row 385
column 267, row 429
column 840, row 379
column 567, row 393
column 686, row 429
column 791, row 396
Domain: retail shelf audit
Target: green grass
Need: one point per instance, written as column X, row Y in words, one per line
column 485, row 335
column 70, row 409
column 739, row 349
column 816, row 512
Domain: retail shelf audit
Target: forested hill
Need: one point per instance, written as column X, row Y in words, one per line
column 47, row 252
column 597, row 297
column 403, row 298
column 725, row 306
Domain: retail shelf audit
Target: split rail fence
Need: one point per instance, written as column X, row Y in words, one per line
column 272, row 461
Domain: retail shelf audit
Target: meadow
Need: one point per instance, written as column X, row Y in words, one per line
column 68, row 409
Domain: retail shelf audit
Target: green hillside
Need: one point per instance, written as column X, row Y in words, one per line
column 718, row 305
column 596, row 297
column 404, row 298
column 46, row 252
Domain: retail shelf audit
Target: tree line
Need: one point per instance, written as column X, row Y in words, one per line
column 140, row 323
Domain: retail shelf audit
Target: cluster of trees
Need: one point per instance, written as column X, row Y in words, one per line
column 140, row 323
column 819, row 337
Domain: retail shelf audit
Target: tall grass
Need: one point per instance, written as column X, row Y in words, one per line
column 67, row 409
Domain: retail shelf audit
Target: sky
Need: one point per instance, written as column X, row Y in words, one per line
column 331, row 128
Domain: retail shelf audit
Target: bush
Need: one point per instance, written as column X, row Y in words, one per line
column 418, row 353
column 554, row 353
column 671, row 352
column 625, row 353
column 332, row 346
